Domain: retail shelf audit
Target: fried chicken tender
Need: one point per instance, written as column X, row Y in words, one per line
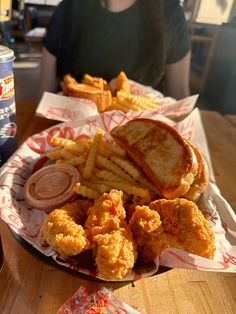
column 62, row 230
column 146, row 227
column 183, row 226
column 146, row 220
column 110, row 236
column 116, row 253
column 106, row 215
column 78, row 210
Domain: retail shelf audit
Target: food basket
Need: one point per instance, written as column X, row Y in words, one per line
column 26, row 221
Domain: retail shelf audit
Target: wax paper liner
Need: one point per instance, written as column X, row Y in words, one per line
column 102, row 301
column 64, row 108
column 26, row 221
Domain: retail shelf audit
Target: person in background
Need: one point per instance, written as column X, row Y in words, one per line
column 147, row 39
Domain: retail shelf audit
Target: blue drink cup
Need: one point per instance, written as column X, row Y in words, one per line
column 7, row 105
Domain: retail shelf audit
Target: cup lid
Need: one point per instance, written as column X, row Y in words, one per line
column 52, row 186
column 6, row 54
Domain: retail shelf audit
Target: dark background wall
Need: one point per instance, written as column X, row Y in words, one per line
column 220, row 87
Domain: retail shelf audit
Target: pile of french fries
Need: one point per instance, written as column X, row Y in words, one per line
column 103, row 166
column 107, row 96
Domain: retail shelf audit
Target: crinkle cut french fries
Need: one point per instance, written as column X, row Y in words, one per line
column 103, row 166
column 107, row 96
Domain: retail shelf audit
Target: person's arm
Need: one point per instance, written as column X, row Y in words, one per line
column 48, row 80
column 178, row 51
column 177, row 78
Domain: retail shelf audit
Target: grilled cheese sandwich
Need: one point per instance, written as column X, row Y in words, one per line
column 164, row 155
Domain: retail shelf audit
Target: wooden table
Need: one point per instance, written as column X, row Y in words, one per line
column 28, row 285
column 35, row 35
column 231, row 118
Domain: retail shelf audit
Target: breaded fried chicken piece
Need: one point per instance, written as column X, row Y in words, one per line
column 106, row 215
column 184, row 227
column 145, row 219
column 62, row 230
column 145, row 224
column 78, row 210
column 116, row 253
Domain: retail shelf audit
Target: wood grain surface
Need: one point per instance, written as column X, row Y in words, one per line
column 231, row 118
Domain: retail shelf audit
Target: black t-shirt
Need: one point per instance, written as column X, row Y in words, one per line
column 15, row 4
column 103, row 43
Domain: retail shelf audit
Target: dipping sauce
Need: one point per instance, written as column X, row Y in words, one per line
column 52, row 186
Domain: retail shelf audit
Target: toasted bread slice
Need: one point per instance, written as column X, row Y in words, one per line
column 120, row 84
column 102, row 98
column 96, row 82
column 201, row 180
column 161, row 152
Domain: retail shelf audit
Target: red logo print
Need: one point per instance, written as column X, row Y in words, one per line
column 7, row 87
